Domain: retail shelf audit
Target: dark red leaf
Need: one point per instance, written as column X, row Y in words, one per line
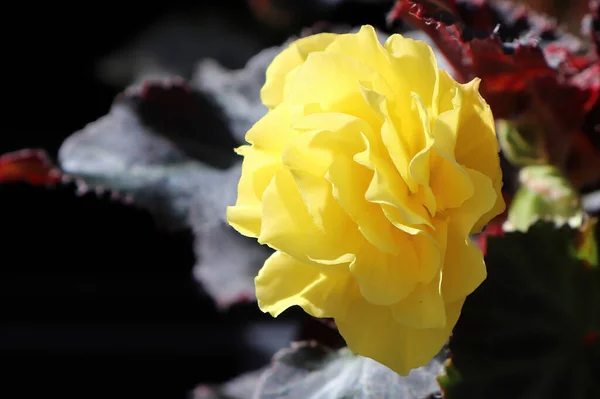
column 34, row 167
column 529, row 69
column 501, row 43
column 31, row 166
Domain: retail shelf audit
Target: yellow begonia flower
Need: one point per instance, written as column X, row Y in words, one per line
column 367, row 175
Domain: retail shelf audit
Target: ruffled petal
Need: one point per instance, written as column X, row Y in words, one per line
column 350, row 182
column 365, row 47
column 383, row 278
column 477, row 145
column 418, row 63
column 341, row 137
column 245, row 219
column 480, row 203
column 430, row 245
column 444, row 92
column 497, row 209
column 284, row 282
column 308, row 163
column 404, row 137
column 464, row 268
column 373, row 332
column 400, row 147
column 389, row 190
column 348, row 125
column 423, row 308
column 258, row 170
column 419, row 165
column 271, row 93
column 287, row 226
column 278, row 120
column 332, row 82
column 450, row 183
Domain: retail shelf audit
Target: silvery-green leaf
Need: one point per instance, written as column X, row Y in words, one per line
column 310, row 371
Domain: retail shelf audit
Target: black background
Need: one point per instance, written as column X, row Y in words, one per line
column 96, row 300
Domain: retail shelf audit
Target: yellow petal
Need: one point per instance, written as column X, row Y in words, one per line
column 373, row 332
column 483, row 199
column 420, row 164
column 350, row 182
column 262, row 135
column 464, row 268
column 399, row 149
column 375, row 100
column 444, row 92
column 423, row 308
column 430, row 244
column 258, row 168
column 403, row 136
column 383, row 278
column 476, row 142
column 389, row 190
column 303, row 155
column 444, row 131
column 308, row 164
column 450, row 183
column 418, row 63
column 388, row 187
column 497, row 209
column 419, row 167
column 288, row 227
column 333, row 82
column 340, row 139
column 245, row 219
column 344, row 124
column 365, row 47
column 284, row 282
column 343, row 135
column 290, row 58
column 477, row 146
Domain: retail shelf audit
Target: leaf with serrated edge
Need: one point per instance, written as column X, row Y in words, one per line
column 165, row 144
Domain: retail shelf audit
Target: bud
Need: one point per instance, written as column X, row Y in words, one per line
column 522, row 143
column 545, row 194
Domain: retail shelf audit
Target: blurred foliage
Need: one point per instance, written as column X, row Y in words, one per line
column 532, row 329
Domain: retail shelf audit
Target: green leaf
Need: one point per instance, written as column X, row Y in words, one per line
column 311, row 371
column 531, row 330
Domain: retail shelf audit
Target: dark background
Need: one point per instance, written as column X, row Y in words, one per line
column 96, row 299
